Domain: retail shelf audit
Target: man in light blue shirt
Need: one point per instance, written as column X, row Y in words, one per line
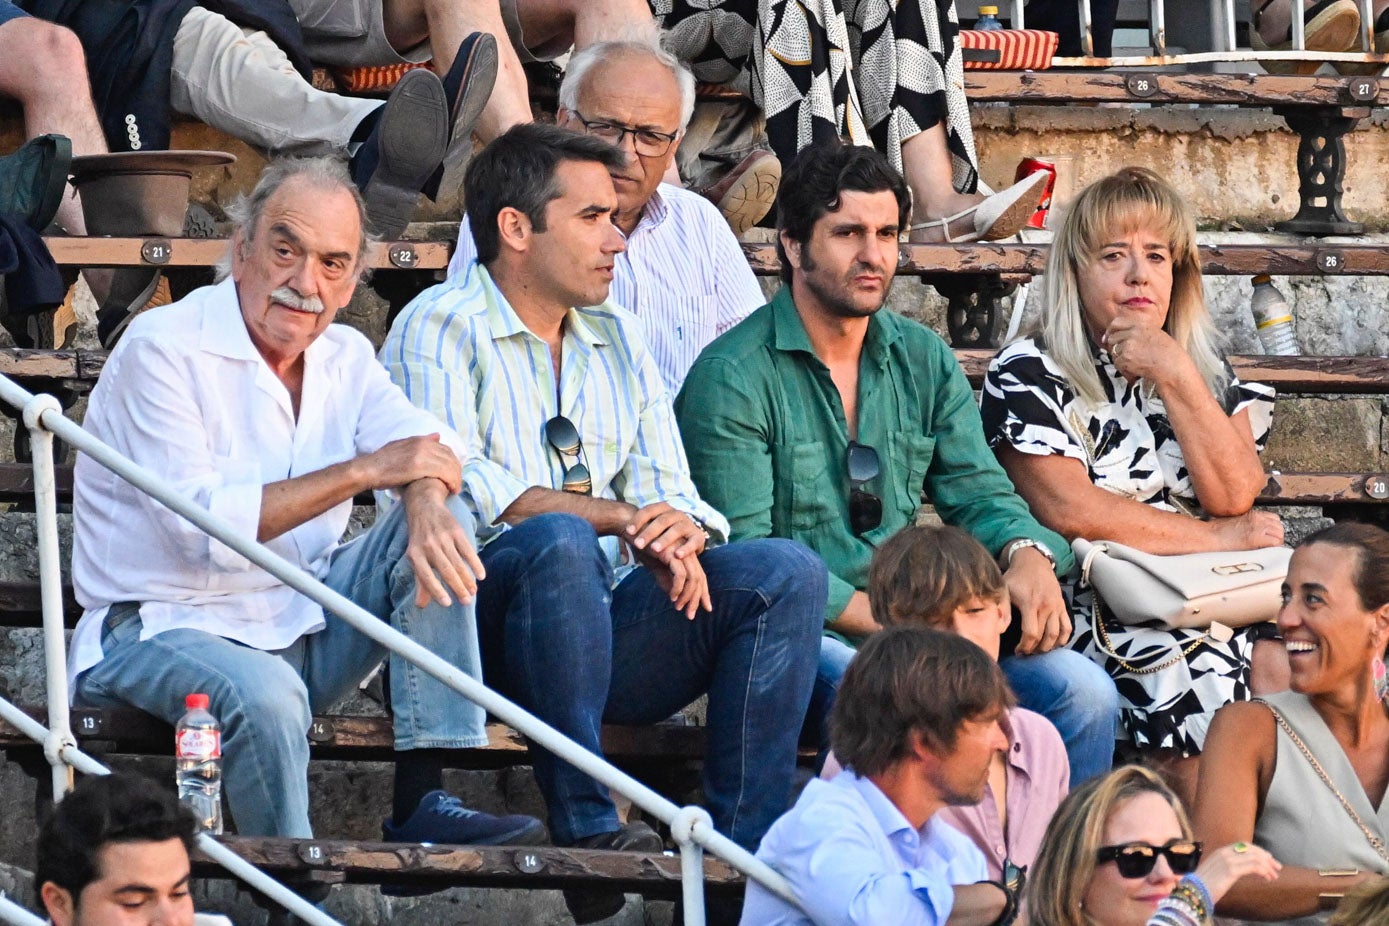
column 600, row 601
column 916, row 726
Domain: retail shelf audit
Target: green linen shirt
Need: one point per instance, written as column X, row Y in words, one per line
column 766, row 438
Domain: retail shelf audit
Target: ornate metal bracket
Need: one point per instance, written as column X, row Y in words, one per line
column 1321, row 169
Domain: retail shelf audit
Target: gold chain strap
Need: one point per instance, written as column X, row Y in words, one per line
column 1375, row 842
column 1106, row 647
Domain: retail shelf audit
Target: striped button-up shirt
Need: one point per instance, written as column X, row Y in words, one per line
column 460, row 351
column 683, row 275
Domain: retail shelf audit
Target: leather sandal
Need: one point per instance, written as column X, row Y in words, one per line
column 1001, row 215
column 1330, row 25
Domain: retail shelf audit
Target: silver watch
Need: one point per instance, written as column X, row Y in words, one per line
column 1022, row 543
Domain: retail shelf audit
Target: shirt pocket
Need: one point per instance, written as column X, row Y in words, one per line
column 814, row 499
column 693, row 320
column 912, row 453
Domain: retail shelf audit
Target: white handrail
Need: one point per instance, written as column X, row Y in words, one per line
column 696, row 830
column 11, row 912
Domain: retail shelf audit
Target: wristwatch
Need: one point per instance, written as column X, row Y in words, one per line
column 1021, row 543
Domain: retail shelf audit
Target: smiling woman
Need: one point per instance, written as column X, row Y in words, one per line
column 1305, row 771
column 1120, row 852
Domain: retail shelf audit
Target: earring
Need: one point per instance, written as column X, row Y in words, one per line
column 1381, row 679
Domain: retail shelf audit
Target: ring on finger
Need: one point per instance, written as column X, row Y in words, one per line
column 1240, row 847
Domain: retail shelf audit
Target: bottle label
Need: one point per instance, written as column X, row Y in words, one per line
column 198, row 744
column 1270, row 322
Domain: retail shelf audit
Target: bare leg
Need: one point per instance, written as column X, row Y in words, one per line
column 546, row 24
column 42, row 65
column 926, row 163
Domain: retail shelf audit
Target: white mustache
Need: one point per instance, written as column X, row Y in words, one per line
column 291, row 298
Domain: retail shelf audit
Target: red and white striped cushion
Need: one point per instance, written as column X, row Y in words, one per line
column 1019, row 49
column 380, row 79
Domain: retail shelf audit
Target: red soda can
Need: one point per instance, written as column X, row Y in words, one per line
column 1027, row 167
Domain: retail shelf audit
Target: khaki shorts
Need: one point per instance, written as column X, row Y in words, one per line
column 352, row 33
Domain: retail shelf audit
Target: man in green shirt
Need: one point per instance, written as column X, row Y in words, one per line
column 822, row 418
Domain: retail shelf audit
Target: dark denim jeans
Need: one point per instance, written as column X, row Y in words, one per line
column 559, row 639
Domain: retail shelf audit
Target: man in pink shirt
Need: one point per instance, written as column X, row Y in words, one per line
column 941, row 577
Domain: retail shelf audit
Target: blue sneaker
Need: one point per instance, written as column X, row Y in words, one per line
column 442, row 818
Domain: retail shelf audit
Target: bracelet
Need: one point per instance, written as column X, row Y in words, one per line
column 1010, row 904
column 1195, row 881
column 1189, row 894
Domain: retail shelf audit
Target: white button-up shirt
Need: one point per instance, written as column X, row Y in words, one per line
column 187, row 395
column 683, row 275
column 461, row 351
column 853, row 859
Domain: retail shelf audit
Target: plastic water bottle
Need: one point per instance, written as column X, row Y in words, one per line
column 198, row 763
column 988, row 19
column 1273, row 319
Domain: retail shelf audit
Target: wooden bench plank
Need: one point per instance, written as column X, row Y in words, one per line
column 1061, row 87
column 126, row 730
column 1318, row 375
column 442, row 866
column 205, row 252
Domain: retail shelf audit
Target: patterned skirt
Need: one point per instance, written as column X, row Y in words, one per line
column 871, row 71
column 1170, row 682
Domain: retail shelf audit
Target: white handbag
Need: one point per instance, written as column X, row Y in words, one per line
column 1188, row 591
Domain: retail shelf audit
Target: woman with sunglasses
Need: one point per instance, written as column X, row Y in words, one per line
column 1305, row 772
column 1119, row 852
column 1119, row 419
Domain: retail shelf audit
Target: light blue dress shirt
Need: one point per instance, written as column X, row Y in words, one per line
column 853, row 860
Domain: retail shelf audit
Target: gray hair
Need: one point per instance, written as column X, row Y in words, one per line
column 324, row 173
column 639, row 41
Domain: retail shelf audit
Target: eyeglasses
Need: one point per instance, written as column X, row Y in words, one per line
column 1014, row 876
column 865, row 508
column 1137, row 859
column 648, row 143
column 561, row 434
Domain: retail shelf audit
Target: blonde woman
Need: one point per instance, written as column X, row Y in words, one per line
column 1119, row 852
column 1118, row 419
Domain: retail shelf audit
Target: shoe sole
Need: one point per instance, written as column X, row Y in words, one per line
column 1013, row 218
column 1350, row 69
column 1333, row 29
column 412, row 139
column 479, row 77
column 752, row 195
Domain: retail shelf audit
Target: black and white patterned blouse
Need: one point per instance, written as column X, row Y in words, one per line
column 1128, row 447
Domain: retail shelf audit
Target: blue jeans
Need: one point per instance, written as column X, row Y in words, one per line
column 835, row 656
column 265, row 700
column 1080, row 700
column 558, row 638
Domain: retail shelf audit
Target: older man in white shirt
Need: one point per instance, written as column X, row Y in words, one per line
column 245, row 398
column 683, row 273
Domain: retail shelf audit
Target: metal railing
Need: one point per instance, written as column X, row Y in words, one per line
column 691, row 827
column 1224, row 17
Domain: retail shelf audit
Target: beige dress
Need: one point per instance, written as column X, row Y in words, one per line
column 1303, row 823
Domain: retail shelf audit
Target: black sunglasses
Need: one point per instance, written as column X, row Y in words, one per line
column 865, row 508
column 564, row 437
column 1137, row 859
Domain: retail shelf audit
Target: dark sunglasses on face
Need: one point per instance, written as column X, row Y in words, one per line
column 561, row 434
column 1137, row 859
column 865, row 508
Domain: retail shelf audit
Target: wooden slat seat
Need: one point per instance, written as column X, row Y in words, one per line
column 439, row 866
column 1249, row 90
column 126, row 730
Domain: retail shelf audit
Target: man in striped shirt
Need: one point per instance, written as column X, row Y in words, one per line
column 601, row 601
column 683, row 273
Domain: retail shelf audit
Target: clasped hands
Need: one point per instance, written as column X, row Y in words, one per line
column 668, row 542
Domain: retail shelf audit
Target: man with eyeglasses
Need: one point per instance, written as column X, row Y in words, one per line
column 682, row 274
column 609, row 594
column 822, row 418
